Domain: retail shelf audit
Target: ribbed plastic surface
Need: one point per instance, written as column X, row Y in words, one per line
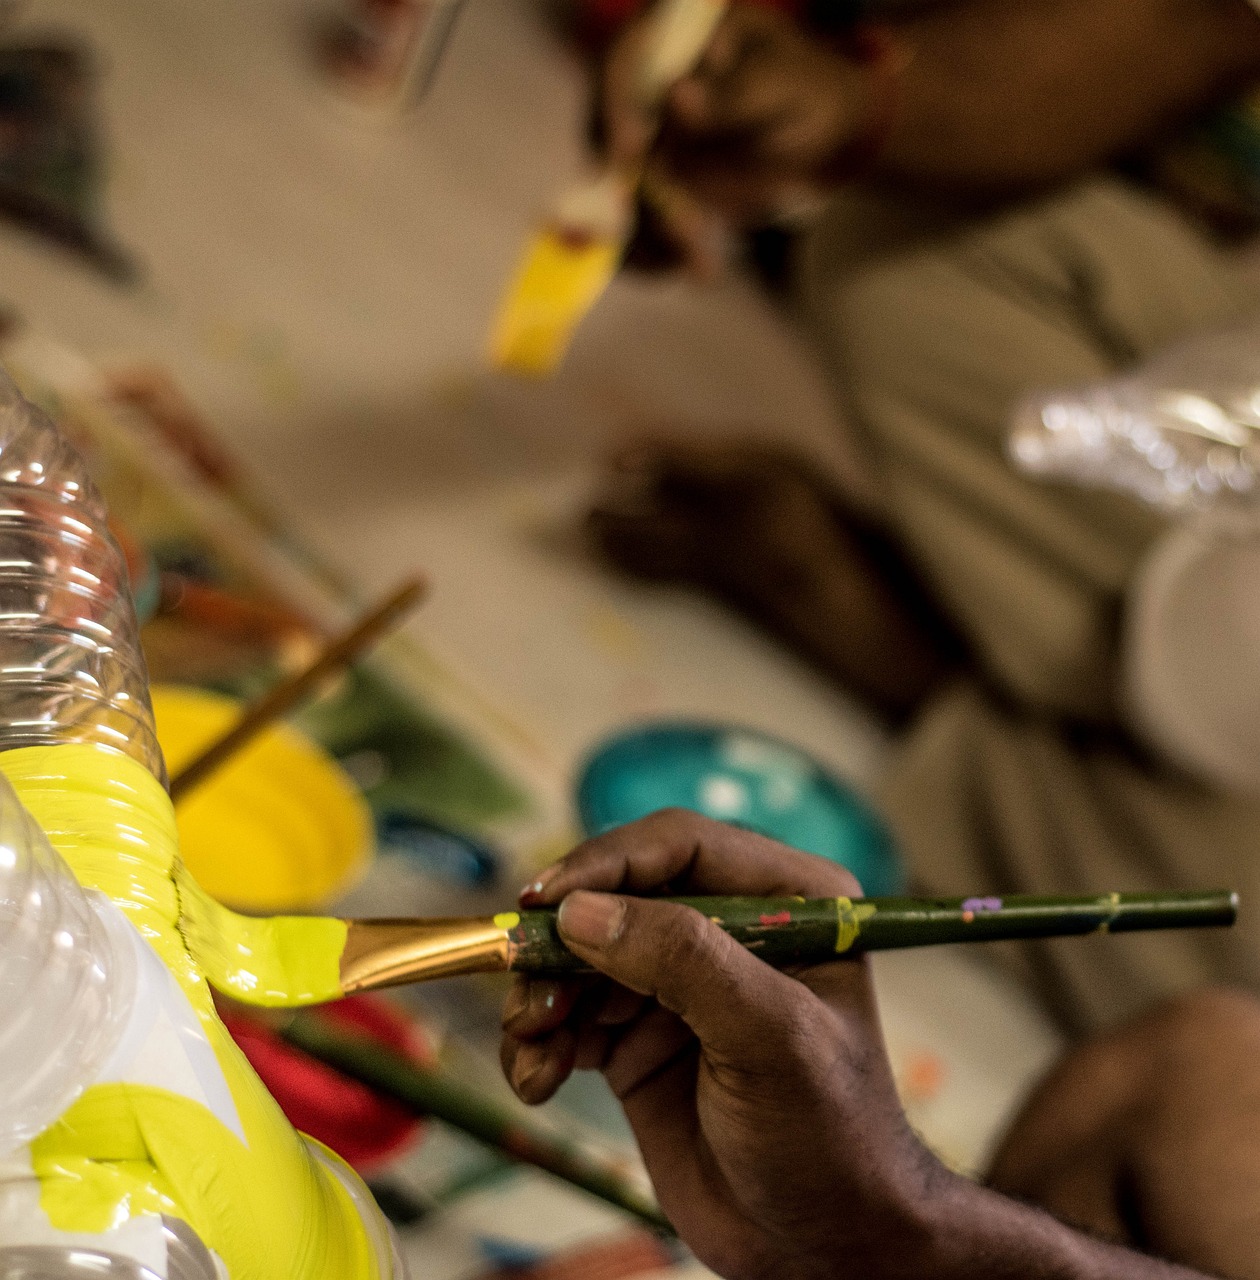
column 71, row 669
column 1181, row 432
column 67, row 979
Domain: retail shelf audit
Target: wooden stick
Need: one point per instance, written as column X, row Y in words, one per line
column 338, row 653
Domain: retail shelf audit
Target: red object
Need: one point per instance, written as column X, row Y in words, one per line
column 364, row 1129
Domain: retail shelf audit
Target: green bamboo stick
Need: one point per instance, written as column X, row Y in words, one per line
column 792, row 931
column 432, row 1092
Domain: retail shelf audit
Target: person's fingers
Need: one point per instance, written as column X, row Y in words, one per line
column 721, row 55
column 744, row 104
column 593, row 1044
column 650, row 544
column 537, row 1068
column 537, row 1006
column 729, row 998
column 685, row 852
column 644, row 1048
column 619, row 1006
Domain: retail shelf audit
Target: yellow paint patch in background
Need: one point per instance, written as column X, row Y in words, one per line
column 280, row 827
column 557, row 283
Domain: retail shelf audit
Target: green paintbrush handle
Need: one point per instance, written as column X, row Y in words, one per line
column 790, row 931
column 430, row 1091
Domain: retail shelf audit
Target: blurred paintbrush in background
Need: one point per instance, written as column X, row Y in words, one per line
column 572, row 257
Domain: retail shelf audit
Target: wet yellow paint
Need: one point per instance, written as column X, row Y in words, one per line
column 849, row 917
column 113, row 823
column 264, row 1205
column 275, row 961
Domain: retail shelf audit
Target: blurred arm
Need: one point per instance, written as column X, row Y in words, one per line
column 1000, row 94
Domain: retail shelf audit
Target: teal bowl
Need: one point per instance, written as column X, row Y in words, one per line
column 744, row 777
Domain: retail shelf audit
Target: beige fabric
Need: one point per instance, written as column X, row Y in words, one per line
column 1024, row 780
column 1191, row 650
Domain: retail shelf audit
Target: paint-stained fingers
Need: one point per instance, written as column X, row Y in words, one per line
column 688, row 853
column 537, row 1068
column 537, row 1006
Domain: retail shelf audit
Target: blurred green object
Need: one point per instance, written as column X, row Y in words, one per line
column 431, row 1091
column 744, row 777
column 406, row 761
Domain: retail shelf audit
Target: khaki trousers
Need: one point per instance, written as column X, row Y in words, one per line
column 1024, row 778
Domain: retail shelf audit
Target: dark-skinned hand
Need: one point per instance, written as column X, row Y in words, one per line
column 755, row 128
column 762, row 1102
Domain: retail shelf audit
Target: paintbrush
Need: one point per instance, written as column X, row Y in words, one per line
column 291, row 960
column 434, row 1092
column 337, row 653
column 572, row 257
column 781, row 931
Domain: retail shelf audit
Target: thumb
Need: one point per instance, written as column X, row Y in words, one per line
column 687, row 963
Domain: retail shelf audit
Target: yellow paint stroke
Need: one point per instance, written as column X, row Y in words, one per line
column 1113, row 900
column 265, row 1205
column 113, row 823
column 849, row 917
column 507, row 920
column 280, row 962
column 557, row 283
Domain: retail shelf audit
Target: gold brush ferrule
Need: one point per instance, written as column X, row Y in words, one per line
column 386, row 953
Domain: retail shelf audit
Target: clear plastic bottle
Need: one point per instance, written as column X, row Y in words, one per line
column 67, row 978
column 1181, row 432
column 186, row 1259
column 71, row 669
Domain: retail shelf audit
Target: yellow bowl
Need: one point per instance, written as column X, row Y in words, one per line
column 280, row 827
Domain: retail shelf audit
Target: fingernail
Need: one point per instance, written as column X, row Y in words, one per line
column 531, row 1058
column 535, row 887
column 591, row 919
